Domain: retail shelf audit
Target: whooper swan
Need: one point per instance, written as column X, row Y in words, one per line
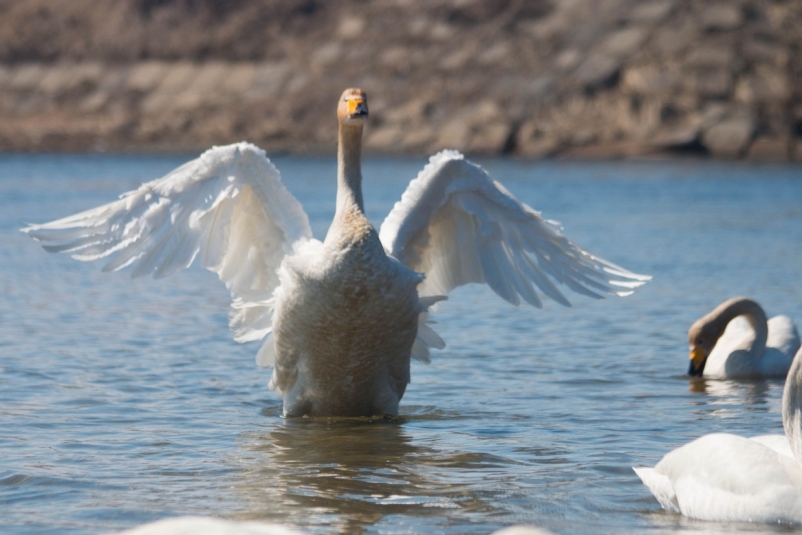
column 723, row 346
column 731, row 478
column 340, row 319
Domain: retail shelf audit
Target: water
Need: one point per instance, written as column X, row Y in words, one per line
column 124, row 401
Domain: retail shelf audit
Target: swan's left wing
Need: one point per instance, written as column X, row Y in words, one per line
column 457, row 225
column 227, row 208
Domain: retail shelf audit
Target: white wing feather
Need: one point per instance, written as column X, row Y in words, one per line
column 229, row 207
column 457, row 225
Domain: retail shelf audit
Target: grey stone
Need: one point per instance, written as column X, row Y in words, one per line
column 270, row 79
column 56, row 79
column 715, row 84
column 678, row 137
column 670, row 41
column 179, row 76
column 210, row 79
column 650, row 79
column 769, row 149
column 146, row 76
column 385, row 138
column 729, row 138
column 759, row 51
column 598, row 72
column 623, row 43
column 722, row 17
column 326, row 54
column 240, row 79
column 27, row 76
column 351, row 27
column 765, row 86
column 706, row 57
column 568, row 59
column 454, row 134
column 653, row 12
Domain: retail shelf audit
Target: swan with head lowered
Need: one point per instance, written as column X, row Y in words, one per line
column 727, row 477
column 339, row 319
column 722, row 344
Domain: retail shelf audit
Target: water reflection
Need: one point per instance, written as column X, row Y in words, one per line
column 728, row 398
column 667, row 523
column 352, row 473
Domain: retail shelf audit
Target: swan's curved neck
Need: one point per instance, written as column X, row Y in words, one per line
column 792, row 406
column 754, row 314
column 349, row 170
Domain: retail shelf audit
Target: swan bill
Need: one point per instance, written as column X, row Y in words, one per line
column 357, row 107
column 698, row 359
column 353, row 108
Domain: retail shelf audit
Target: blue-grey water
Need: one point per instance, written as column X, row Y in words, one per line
column 124, row 401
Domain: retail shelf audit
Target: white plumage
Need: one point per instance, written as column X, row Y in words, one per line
column 774, row 361
column 736, row 339
column 726, row 477
column 339, row 319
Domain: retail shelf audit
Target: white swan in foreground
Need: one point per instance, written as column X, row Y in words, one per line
column 723, row 345
column 731, row 478
column 345, row 315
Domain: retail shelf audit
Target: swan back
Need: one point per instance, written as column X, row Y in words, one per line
column 792, row 406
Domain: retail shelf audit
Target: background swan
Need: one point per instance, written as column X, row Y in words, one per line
column 736, row 340
column 728, row 477
column 341, row 318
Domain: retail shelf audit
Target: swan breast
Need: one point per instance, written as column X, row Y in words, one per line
column 344, row 327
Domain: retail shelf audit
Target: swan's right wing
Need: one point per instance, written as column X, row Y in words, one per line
column 228, row 208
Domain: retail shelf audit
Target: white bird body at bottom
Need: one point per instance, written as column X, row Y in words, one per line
column 724, row 477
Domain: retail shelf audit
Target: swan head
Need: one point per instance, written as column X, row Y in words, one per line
column 353, row 107
column 702, row 338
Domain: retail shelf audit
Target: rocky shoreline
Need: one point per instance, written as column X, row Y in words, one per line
column 577, row 78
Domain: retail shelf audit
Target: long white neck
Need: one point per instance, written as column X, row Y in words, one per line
column 349, row 171
column 792, row 406
column 754, row 314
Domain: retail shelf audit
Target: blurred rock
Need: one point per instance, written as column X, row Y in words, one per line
column 598, row 72
column 729, row 138
column 653, row 12
column 722, row 17
column 623, row 43
column 713, row 57
column 766, row 85
column 715, row 84
column 650, row 80
column 769, row 149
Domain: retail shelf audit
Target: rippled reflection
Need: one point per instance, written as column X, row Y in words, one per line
column 728, row 398
column 351, row 473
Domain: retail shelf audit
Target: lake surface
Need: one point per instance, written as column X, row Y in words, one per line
column 124, row 401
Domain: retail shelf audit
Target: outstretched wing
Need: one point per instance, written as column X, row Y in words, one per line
column 228, row 207
column 457, row 225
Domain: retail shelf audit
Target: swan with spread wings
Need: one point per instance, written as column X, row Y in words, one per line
column 339, row 319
